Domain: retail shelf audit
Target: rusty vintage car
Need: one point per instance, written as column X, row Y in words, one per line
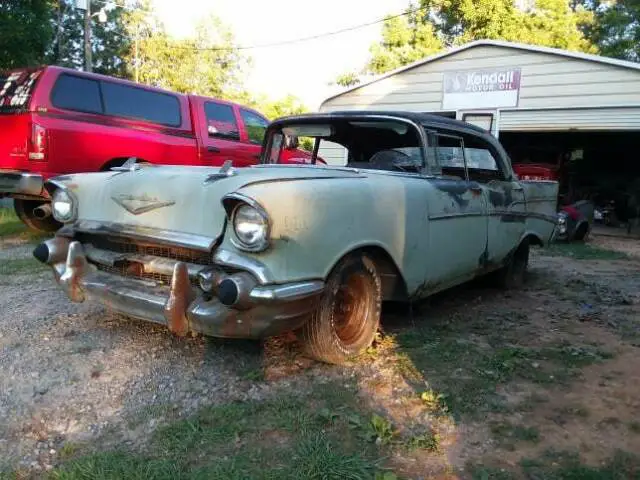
column 420, row 203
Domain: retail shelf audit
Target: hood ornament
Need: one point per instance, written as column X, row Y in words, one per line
column 141, row 204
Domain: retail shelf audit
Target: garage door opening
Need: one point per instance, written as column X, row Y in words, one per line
column 603, row 167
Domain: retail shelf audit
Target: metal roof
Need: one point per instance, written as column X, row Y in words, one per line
column 496, row 43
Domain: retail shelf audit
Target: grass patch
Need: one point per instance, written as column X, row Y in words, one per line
column 508, row 434
column 465, row 362
column 482, row 472
column 554, row 465
column 21, row 266
column 321, row 435
column 10, row 224
column 634, row 427
column 583, row 251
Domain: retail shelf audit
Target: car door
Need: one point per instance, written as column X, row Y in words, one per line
column 457, row 227
column 221, row 135
column 505, row 199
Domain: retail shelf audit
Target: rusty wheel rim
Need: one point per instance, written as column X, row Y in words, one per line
column 351, row 308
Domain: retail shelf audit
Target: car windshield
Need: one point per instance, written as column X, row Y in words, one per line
column 377, row 144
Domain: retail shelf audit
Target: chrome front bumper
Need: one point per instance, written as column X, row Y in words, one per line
column 20, row 183
column 266, row 309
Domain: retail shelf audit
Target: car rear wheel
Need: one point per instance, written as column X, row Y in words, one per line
column 347, row 319
column 25, row 211
column 513, row 274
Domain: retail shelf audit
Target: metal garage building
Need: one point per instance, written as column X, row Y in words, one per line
column 544, row 104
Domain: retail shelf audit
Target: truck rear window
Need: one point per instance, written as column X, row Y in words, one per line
column 77, row 93
column 16, row 88
column 125, row 101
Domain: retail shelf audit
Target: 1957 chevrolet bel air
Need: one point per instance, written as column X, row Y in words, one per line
column 421, row 203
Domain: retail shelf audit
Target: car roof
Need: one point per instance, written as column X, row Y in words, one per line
column 424, row 119
column 416, row 117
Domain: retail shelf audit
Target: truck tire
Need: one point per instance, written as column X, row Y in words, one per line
column 347, row 318
column 513, row 274
column 24, row 211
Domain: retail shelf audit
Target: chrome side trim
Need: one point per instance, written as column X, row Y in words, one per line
column 231, row 259
column 166, row 237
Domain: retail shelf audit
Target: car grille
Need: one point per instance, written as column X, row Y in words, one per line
column 125, row 270
column 133, row 269
column 122, row 245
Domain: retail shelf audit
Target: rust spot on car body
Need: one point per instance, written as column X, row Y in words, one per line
column 455, row 189
column 501, row 195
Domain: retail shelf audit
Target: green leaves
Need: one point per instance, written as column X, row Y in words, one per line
column 439, row 23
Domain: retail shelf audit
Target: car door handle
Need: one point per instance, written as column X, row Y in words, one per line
column 213, row 149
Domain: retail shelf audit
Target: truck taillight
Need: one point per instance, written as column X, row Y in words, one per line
column 38, row 143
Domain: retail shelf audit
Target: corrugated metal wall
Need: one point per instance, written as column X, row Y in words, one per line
column 548, row 81
column 570, row 119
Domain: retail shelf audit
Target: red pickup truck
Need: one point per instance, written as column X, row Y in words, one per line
column 55, row 121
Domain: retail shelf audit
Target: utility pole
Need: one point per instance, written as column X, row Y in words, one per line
column 87, row 37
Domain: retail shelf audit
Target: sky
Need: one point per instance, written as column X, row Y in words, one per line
column 303, row 69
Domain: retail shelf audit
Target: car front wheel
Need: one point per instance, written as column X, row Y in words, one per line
column 347, row 318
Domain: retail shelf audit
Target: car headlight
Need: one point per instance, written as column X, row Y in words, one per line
column 251, row 227
column 64, row 206
column 562, row 223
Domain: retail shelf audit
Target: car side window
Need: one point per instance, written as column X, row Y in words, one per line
column 482, row 165
column 450, row 155
column 77, row 93
column 221, row 121
column 255, row 125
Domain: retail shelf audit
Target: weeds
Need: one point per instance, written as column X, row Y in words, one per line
column 21, row 266
column 583, row 251
column 568, row 465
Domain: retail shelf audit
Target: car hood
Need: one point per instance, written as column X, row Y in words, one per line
column 180, row 199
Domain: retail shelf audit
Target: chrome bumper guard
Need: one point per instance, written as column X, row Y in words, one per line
column 266, row 309
column 20, row 183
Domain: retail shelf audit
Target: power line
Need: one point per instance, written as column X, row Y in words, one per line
column 299, row 40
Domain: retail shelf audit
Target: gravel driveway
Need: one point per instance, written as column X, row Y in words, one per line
column 74, row 373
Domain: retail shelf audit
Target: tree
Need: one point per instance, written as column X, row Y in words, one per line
column 405, row 39
column 110, row 41
column 206, row 64
column 27, row 32
column 616, row 30
column 348, row 79
column 436, row 24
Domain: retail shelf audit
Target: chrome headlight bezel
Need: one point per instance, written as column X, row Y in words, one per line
column 60, row 197
column 239, row 239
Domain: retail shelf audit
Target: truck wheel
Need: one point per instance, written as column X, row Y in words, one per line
column 514, row 273
column 348, row 316
column 24, row 211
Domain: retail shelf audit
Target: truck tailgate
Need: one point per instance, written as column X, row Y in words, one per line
column 14, row 135
column 542, row 204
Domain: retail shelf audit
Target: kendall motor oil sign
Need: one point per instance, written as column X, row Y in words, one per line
column 468, row 89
